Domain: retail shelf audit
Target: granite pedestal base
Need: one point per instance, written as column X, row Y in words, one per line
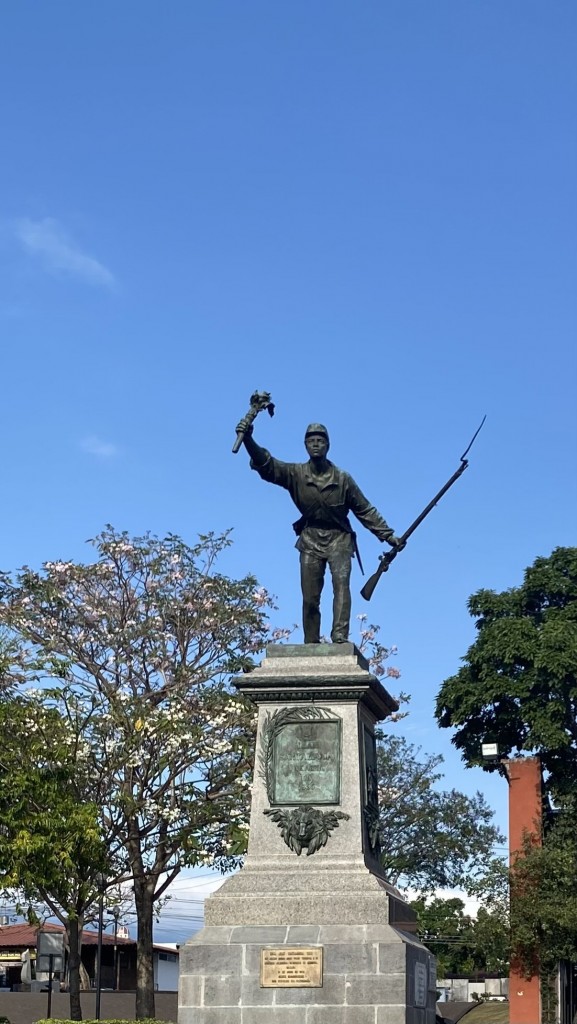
column 332, row 902
column 372, row 974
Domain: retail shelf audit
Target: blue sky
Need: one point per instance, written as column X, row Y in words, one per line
column 368, row 210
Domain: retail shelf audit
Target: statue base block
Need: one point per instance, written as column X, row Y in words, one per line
column 310, row 931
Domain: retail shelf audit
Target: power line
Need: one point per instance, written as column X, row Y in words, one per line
column 193, row 883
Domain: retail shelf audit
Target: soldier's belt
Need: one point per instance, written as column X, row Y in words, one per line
column 326, row 526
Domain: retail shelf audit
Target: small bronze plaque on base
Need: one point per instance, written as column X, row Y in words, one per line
column 291, row 967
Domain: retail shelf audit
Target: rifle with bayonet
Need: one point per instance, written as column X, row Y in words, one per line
column 385, row 560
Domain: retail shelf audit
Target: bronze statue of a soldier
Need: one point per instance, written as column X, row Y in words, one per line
column 324, row 496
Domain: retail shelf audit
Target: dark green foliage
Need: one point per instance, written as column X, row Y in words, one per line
column 463, row 944
column 50, row 842
column 543, row 904
column 518, row 688
column 107, row 1020
column 430, row 838
column 543, row 907
column 518, row 684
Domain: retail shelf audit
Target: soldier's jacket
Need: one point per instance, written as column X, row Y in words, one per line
column 323, row 501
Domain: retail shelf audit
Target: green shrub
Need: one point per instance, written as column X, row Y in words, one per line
column 104, row 1020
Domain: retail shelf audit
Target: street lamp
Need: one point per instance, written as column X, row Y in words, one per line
column 490, row 751
column 101, row 881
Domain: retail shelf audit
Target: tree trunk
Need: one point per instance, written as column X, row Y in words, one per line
column 143, row 898
column 73, row 929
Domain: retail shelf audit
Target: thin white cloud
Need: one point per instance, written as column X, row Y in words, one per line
column 48, row 241
column 96, row 446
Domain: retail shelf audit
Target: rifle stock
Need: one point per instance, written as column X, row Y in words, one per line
column 384, row 563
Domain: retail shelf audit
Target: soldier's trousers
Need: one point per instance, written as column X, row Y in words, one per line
column 312, row 579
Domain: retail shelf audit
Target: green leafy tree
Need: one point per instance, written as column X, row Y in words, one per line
column 51, row 846
column 448, row 931
column 543, row 907
column 492, row 934
column 518, row 688
column 430, row 838
column 138, row 648
column 518, row 684
column 463, row 944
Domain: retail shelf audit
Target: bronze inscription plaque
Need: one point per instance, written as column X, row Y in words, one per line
column 307, row 763
column 291, row 967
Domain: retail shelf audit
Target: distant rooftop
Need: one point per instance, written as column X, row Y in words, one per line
column 26, row 935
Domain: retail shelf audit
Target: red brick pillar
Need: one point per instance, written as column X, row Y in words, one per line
column 525, row 816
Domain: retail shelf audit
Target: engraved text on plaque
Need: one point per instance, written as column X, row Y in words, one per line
column 291, row 967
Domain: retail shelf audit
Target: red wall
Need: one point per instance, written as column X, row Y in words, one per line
column 525, row 814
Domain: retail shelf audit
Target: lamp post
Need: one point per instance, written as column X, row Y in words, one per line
column 116, row 914
column 101, row 884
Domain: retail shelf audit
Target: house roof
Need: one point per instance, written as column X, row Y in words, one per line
column 26, row 935
column 23, row 934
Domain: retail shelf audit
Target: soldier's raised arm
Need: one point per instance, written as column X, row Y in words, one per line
column 258, row 455
column 272, row 470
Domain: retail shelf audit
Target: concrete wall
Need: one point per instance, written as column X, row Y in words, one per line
column 166, row 973
column 462, row 989
column 27, row 1007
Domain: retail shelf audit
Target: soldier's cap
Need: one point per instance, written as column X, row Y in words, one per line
column 316, row 428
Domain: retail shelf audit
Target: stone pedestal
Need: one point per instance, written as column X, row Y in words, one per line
column 310, row 931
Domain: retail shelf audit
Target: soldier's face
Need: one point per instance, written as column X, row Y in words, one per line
column 317, row 446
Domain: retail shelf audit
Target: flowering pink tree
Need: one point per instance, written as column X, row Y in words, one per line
column 135, row 650
column 377, row 654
